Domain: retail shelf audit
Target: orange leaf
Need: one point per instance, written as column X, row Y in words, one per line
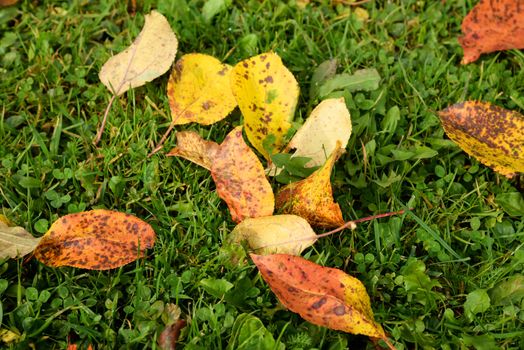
column 240, row 179
column 321, row 295
column 312, row 198
column 96, row 240
column 489, row 133
column 191, row 146
column 492, row 26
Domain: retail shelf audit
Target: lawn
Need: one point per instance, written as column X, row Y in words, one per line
column 445, row 276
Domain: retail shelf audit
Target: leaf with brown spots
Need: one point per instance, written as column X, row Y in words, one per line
column 240, row 179
column 96, row 240
column 191, row 146
column 321, row 295
column 15, row 241
column 267, row 95
column 492, row 25
column 491, row 134
column 312, row 198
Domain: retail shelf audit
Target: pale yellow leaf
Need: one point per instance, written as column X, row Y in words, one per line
column 15, row 241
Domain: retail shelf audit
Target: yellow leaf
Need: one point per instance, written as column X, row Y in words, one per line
column 240, row 179
column 267, row 95
column 312, row 198
column 199, row 90
column 96, row 240
column 286, row 234
column 321, row 295
column 191, row 146
column 148, row 57
column 489, row 133
column 328, row 124
column 8, row 336
column 15, row 241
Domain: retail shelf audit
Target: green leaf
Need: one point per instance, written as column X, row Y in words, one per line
column 216, row 287
column 509, row 291
column 249, row 333
column 477, row 301
column 323, row 72
column 361, row 80
column 213, row 7
column 512, row 203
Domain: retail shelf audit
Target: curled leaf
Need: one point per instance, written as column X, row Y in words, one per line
column 15, row 241
column 191, row 146
column 321, row 295
column 267, row 95
column 489, row 133
column 199, row 90
column 312, row 198
column 492, row 26
column 96, row 240
column 240, row 179
column 148, row 57
column 285, row 234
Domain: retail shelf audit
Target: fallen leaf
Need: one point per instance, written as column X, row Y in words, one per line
column 240, row 179
column 328, row 124
column 169, row 336
column 199, row 90
column 321, row 295
column 191, row 146
column 284, row 234
column 492, row 26
column 361, row 80
column 5, row 3
column 15, row 241
column 148, row 57
column 312, row 198
column 489, row 133
column 96, row 240
column 7, row 336
column 267, row 95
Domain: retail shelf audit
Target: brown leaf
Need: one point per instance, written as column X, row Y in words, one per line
column 312, row 198
column 96, row 240
column 169, row 336
column 191, row 146
column 321, row 295
column 491, row 134
column 240, row 179
column 15, row 241
column 492, row 25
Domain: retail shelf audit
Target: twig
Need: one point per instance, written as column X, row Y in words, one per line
column 104, row 120
column 158, row 147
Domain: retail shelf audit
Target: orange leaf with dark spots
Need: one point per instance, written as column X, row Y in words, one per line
column 321, row 295
column 191, row 146
column 492, row 25
column 491, row 134
column 96, row 240
column 240, row 179
column 312, row 198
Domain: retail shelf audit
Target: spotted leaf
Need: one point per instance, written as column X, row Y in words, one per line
column 191, row 146
column 321, row 295
column 267, row 95
column 312, row 198
column 199, row 90
column 492, row 26
column 240, row 179
column 96, row 240
column 489, row 133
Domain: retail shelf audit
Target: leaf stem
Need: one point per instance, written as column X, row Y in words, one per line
column 104, row 120
column 158, row 147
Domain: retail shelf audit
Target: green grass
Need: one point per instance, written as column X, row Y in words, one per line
column 428, row 272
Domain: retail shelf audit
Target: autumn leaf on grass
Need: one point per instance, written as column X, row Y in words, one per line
column 492, row 26
column 321, row 295
column 267, row 95
column 287, row 234
column 15, row 241
column 312, row 198
column 96, row 240
column 191, row 146
column 490, row 133
column 240, row 179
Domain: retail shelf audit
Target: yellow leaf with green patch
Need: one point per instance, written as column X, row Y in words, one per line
column 240, row 179
column 267, row 94
column 491, row 134
column 199, row 90
column 191, row 146
column 312, row 198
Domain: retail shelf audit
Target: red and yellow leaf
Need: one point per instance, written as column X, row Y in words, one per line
column 191, row 146
column 492, row 26
column 267, row 94
column 491, row 134
column 321, row 295
column 96, row 240
column 240, row 179
column 312, row 198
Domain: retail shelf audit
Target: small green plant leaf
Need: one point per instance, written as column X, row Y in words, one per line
column 361, row 80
